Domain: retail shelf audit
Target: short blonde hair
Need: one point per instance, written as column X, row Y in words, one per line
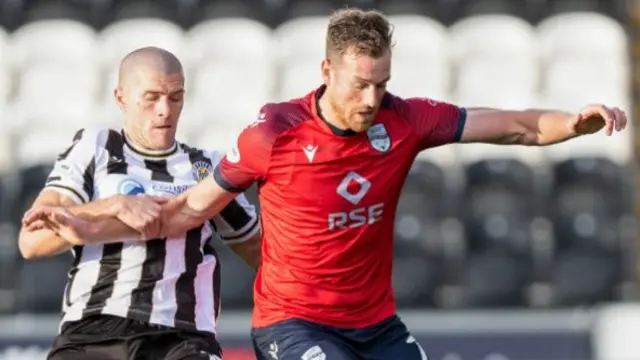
column 366, row 32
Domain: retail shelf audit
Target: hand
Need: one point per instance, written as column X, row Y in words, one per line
column 59, row 220
column 595, row 117
column 142, row 213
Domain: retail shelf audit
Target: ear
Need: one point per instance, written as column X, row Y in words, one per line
column 325, row 69
column 117, row 94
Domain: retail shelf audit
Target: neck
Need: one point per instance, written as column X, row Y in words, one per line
column 328, row 112
column 138, row 144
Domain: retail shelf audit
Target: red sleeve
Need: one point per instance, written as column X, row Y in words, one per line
column 435, row 123
column 248, row 162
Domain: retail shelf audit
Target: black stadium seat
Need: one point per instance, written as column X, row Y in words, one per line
column 41, row 284
column 55, row 9
column 584, row 279
column 416, row 280
column 494, row 280
column 32, row 180
column 133, row 9
column 236, row 279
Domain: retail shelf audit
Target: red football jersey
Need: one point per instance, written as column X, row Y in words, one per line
column 328, row 200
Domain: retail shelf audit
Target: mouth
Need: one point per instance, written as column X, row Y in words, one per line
column 163, row 127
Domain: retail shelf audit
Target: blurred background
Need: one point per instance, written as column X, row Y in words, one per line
column 502, row 253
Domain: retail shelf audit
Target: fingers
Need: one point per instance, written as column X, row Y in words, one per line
column 34, row 215
column 620, row 118
column 595, row 117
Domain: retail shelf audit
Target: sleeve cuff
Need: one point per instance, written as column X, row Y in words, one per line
column 462, row 119
column 244, row 234
column 79, row 197
column 223, row 183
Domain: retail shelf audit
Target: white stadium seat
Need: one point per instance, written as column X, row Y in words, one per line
column 59, row 83
column 484, row 82
column 4, row 50
column 302, row 39
column 43, row 146
column 224, row 80
column 420, row 65
column 26, row 114
column 124, row 36
column 582, row 76
column 230, row 39
column 298, row 79
column 583, row 35
column 501, row 37
column 5, row 85
column 61, row 41
column 213, row 138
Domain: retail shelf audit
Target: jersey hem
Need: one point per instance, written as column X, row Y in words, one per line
column 73, row 194
column 258, row 323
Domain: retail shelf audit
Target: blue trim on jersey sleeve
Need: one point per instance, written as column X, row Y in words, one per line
column 223, row 183
column 462, row 119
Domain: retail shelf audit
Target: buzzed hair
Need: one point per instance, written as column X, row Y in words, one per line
column 158, row 59
column 366, row 32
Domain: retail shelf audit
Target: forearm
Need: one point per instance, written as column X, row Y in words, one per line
column 41, row 243
column 99, row 209
column 249, row 251
column 547, row 127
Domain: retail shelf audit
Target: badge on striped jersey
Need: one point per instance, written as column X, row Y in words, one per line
column 201, row 170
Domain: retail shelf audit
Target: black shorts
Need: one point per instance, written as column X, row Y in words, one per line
column 112, row 338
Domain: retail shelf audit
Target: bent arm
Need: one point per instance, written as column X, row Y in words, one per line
column 46, row 242
column 249, row 251
column 529, row 127
column 193, row 207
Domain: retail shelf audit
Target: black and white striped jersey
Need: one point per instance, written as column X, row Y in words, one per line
column 172, row 282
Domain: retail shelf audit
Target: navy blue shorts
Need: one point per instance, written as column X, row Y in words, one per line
column 303, row 340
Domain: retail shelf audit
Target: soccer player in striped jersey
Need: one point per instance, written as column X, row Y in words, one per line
column 129, row 297
column 330, row 168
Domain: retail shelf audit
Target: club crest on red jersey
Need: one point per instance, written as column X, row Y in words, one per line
column 379, row 138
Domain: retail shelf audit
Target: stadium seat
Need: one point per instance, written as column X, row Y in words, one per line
column 236, row 279
column 499, row 37
column 420, row 57
column 59, row 41
column 6, row 148
column 301, row 39
column 213, row 138
column 415, row 281
column 598, row 81
column 144, row 9
column 230, row 40
column 582, row 34
column 583, row 280
column 52, row 9
column 42, row 147
column 308, row 8
column 494, row 280
column 41, row 285
column 59, row 83
column 408, row 7
column 231, row 95
column 299, row 78
column 124, row 36
column 32, row 178
column 483, row 82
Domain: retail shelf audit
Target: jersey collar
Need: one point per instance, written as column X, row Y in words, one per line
column 315, row 109
column 149, row 153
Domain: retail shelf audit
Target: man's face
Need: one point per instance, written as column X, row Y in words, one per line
column 357, row 85
column 152, row 102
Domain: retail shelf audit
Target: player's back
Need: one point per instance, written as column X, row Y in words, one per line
column 328, row 201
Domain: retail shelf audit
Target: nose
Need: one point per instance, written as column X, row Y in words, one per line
column 162, row 108
column 370, row 97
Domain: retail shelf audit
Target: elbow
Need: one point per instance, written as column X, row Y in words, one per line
column 28, row 250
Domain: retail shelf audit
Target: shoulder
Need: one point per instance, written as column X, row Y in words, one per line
column 274, row 119
column 94, row 135
column 404, row 107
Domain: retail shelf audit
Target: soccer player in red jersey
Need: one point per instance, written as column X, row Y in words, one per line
column 330, row 167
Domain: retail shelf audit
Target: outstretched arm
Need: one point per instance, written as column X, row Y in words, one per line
column 539, row 127
column 438, row 123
